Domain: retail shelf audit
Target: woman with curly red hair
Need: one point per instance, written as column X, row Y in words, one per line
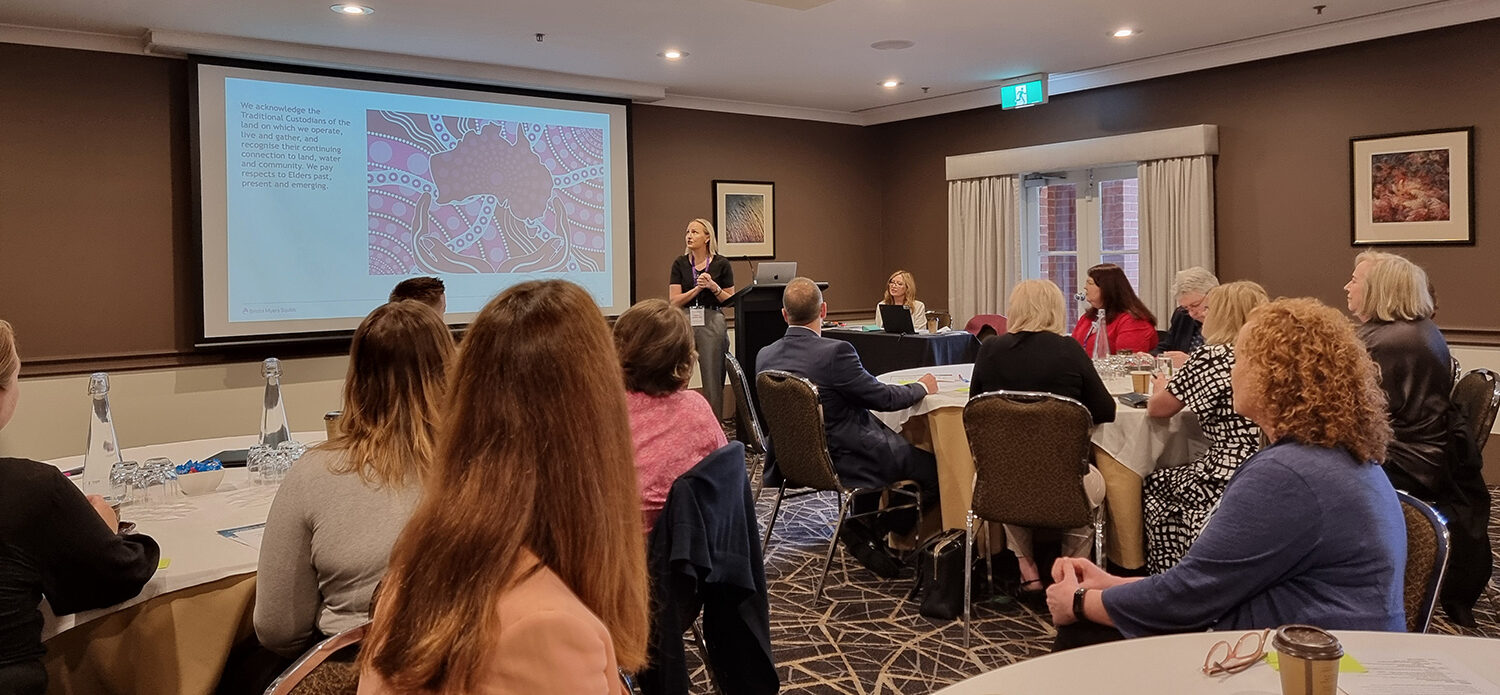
column 1309, row 529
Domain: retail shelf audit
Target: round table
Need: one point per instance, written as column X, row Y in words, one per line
column 175, row 635
column 1126, row 451
column 1173, row 663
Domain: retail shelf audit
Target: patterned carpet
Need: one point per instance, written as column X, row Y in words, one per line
column 867, row 639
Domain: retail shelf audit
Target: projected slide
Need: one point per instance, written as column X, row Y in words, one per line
column 457, row 195
column 321, row 193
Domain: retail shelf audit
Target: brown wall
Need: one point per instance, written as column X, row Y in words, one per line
column 94, row 202
column 1282, row 176
column 97, row 231
column 95, row 182
column 828, row 208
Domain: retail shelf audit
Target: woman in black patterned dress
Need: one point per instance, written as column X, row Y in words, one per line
column 1179, row 500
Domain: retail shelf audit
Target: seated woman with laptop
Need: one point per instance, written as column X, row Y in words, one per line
column 901, row 290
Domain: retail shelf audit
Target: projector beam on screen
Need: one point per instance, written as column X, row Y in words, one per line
column 319, row 192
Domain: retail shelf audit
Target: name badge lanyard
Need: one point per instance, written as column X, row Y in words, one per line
column 697, row 313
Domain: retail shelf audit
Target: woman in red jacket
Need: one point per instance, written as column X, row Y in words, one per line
column 1129, row 325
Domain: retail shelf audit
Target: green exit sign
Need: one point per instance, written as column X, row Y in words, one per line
column 1024, row 91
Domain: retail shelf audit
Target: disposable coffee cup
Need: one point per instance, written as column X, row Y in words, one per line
column 1309, row 660
column 1140, row 381
column 331, row 422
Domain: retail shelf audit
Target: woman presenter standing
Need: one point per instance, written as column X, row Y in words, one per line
column 701, row 282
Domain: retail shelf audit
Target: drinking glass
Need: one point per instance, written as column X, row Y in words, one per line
column 122, row 479
column 167, row 471
column 255, row 463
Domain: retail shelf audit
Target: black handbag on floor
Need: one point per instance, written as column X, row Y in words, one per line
column 940, row 575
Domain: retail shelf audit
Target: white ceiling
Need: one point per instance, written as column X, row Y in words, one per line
column 744, row 53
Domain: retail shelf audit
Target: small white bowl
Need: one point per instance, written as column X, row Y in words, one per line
column 201, row 482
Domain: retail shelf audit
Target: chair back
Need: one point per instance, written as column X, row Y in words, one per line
column 794, row 419
column 744, row 407
column 1030, row 452
column 1478, row 395
column 943, row 318
column 986, row 325
column 1426, row 560
column 313, row 673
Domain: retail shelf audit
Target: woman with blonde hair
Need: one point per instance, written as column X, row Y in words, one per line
column 523, row 568
column 1035, row 355
column 1179, row 500
column 55, row 544
column 901, row 288
column 672, row 428
column 1309, row 529
column 337, row 514
column 701, row 282
column 1432, row 456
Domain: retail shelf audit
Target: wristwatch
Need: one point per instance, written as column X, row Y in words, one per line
column 1078, row 603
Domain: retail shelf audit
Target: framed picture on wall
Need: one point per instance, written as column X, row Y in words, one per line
column 1413, row 188
column 745, row 217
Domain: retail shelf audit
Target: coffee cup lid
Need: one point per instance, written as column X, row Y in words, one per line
column 1307, row 642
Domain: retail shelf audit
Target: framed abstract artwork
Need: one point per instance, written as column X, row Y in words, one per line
column 745, row 217
column 1413, row 188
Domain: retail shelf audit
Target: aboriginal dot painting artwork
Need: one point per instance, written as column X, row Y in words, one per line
column 462, row 195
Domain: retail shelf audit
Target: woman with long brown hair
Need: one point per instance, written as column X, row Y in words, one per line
column 337, row 514
column 523, row 570
column 1129, row 325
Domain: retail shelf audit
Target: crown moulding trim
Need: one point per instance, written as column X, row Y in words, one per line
column 174, row 44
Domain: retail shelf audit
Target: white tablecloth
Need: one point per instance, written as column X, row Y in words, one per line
column 1173, row 663
column 187, row 528
column 1141, row 443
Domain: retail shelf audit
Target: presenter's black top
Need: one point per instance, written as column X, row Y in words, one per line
column 1041, row 361
column 54, row 545
column 685, row 276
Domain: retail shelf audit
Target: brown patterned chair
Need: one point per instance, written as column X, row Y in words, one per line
column 325, row 669
column 749, row 425
column 794, row 419
column 1031, row 450
column 1426, row 560
column 1478, row 395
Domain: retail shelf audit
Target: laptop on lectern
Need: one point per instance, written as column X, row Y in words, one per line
column 896, row 318
column 775, row 273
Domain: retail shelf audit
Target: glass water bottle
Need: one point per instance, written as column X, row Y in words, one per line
column 273, row 426
column 103, row 451
column 1101, row 337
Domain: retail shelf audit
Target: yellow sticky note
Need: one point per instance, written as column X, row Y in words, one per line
column 165, row 563
column 1346, row 664
column 962, row 389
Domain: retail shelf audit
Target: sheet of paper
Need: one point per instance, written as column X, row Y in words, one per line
column 247, row 535
column 1398, row 674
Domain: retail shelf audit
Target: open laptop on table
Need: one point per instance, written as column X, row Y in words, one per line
column 775, row 272
column 896, row 318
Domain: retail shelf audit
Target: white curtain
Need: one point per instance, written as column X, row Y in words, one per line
column 984, row 245
column 1176, row 224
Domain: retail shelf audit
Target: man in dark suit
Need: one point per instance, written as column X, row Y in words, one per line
column 865, row 452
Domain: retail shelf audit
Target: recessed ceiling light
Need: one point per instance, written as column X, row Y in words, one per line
column 890, row 84
column 349, row 8
column 1125, row 33
column 672, row 54
column 892, row 45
